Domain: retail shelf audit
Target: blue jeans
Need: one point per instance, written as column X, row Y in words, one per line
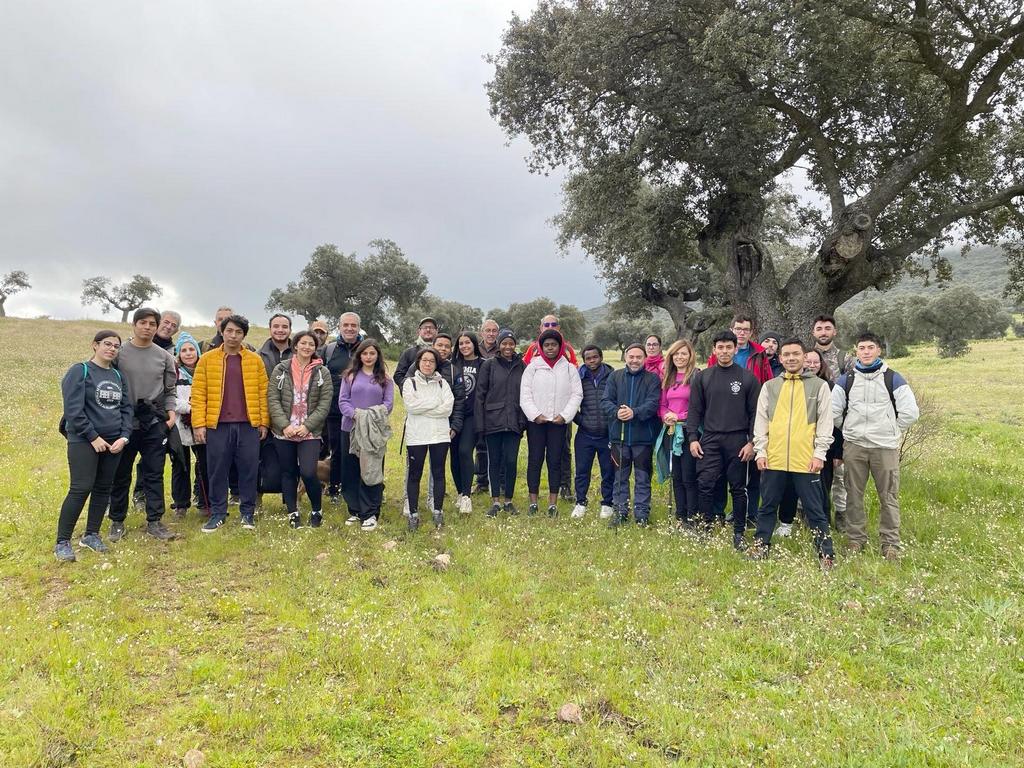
column 236, row 442
column 587, row 447
column 635, row 458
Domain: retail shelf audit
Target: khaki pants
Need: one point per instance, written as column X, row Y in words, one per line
column 883, row 464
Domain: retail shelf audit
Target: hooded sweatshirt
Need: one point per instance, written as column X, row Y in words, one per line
column 95, row 404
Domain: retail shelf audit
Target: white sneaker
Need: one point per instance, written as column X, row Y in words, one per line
column 465, row 505
column 352, row 520
column 578, row 512
column 405, row 507
column 785, row 530
column 606, row 512
column 369, row 524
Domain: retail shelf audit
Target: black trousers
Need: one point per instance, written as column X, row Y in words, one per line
column 721, row 459
column 481, row 461
column 565, row 477
column 417, row 457
column 335, row 436
column 787, row 509
column 181, row 470
column 462, row 457
column 503, row 462
column 298, row 460
column 363, row 501
column 544, row 441
column 808, row 489
column 151, row 445
column 92, row 476
column 753, row 494
column 684, row 485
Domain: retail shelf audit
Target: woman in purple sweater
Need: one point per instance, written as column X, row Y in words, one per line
column 680, row 365
column 365, row 384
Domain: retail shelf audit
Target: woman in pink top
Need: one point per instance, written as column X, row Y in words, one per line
column 680, row 365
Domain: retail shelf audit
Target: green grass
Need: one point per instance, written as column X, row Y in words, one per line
column 321, row 648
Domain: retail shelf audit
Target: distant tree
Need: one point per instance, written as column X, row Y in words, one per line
column 126, row 297
column 524, row 318
column 380, row 288
column 895, row 319
column 451, row 316
column 958, row 315
column 12, row 282
column 619, row 332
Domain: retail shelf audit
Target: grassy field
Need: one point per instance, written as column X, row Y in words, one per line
column 327, row 648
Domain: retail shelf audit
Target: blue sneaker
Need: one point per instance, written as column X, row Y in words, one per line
column 94, row 542
column 215, row 522
column 64, row 552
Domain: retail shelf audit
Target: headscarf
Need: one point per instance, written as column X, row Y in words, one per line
column 550, row 333
column 183, row 339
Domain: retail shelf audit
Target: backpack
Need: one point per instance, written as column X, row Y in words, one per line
column 62, row 425
column 888, row 377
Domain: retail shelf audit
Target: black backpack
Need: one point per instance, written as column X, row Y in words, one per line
column 888, row 376
column 62, row 425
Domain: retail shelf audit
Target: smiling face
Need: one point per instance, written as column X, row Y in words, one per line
column 280, row 329
column 305, row 348
column 824, row 332
column 188, row 355
column 168, row 326
column 428, row 331
column 489, row 332
column 812, row 362
column 653, row 346
column 443, row 346
column 348, row 327
column 792, row 358
column 867, row 352
column 466, row 347
column 107, row 349
column 507, row 348
column 681, row 358
column 427, row 365
column 634, row 359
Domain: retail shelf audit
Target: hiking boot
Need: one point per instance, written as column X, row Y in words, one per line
column 738, row 542
column 578, row 512
column 248, row 522
column 785, row 530
column 532, row 509
column 64, row 552
column 295, row 520
column 158, row 530
column 510, row 508
column 643, row 521
column 116, row 530
column 180, row 512
column 94, row 542
column 553, row 511
column 757, row 551
column 565, row 493
column 827, row 563
column 892, row 554
column 316, row 519
column 607, row 511
column 855, row 547
column 438, row 518
column 414, row 522
column 369, row 524
column 211, row 525
column 494, row 510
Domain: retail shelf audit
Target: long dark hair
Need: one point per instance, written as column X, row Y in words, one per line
column 473, row 338
column 823, row 373
column 380, row 368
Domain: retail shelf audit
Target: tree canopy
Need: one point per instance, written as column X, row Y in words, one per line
column 451, row 316
column 524, row 319
column 127, row 296
column 906, row 117
column 379, row 288
column 14, row 281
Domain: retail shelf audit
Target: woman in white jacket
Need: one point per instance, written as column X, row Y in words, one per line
column 428, row 404
column 550, row 395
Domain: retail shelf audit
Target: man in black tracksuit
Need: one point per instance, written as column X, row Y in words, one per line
column 723, row 402
column 337, row 355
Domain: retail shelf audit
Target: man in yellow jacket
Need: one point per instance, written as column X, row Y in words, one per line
column 792, row 433
column 229, row 415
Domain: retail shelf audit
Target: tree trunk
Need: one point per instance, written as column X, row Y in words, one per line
column 3, row 313
column 124, row 313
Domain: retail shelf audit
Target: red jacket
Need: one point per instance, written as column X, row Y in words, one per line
column 757, row 363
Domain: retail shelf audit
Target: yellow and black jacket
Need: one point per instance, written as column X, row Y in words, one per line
column 793, row 422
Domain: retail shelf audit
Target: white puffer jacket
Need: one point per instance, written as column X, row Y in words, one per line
column 550, row 390
column 428, row 404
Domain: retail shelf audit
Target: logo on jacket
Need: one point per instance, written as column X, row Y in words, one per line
column 736, row 386
column 108, row 395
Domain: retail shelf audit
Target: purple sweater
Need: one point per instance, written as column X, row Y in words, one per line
column 362, row 392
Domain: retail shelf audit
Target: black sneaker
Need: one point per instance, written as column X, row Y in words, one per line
column 553, row 511
column 64, row 552
column 494, row 510
column 643, row 522
column 566, row 493
column 94, row 542
column 248, row 522
column 234, row 500
column 158, row 530
column 438, row 518
column 738, row 542
column 510, row 508
column 334, row 498
column 295, row 520
column 116, row 530
column 414, row 522
column 532, row 510
column 211, row 525
column 316, row 519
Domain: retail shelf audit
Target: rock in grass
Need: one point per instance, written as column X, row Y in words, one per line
column 106, row 566
column 570, row 713
column 194, row 759
column 390, row 545
column 322, row 556
column 442, row 562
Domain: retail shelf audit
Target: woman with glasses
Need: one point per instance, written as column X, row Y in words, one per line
column 97, row 423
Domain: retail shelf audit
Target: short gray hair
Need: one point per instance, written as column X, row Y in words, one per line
column 489, row 320
column 359, row 320
column 171, row 313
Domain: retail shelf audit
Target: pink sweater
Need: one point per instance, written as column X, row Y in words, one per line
column 675, row 399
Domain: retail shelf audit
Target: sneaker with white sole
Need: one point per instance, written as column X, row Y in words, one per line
column 94, row 542
column 606, row 511
column 465, row 505
column 352, row 520
column 785, row 530
column 369, row 524
column 578, row 512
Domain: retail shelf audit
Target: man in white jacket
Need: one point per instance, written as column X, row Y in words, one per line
column 874, row 406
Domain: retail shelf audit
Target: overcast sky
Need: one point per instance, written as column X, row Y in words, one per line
column 213, row 145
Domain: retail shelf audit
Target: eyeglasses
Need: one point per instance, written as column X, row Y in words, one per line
column 550, row 325
column 110, row 344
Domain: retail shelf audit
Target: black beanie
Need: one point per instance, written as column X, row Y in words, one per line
column 550, row 333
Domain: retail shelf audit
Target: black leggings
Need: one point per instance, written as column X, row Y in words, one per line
column 544, row 441
column 92, row 475
column 502, row 462
column 462, row 457
column 417, row 457
column 684, row 484
column 298, row 459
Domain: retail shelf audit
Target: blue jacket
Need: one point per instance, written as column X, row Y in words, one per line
column 641, row 391
column 590, row 418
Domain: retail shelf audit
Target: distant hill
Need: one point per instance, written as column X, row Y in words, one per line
column 984, row 270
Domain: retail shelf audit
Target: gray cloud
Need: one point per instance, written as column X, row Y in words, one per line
column 214, row 145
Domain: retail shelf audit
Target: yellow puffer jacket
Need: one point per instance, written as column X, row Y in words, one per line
column 793, row 422
column 208, row 388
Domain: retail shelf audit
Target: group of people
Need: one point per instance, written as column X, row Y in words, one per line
column 777, row 425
